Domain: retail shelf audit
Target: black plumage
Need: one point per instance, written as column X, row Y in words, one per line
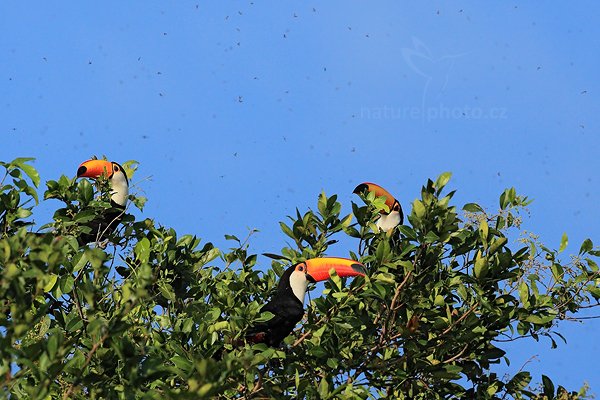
column 287, row 311
column 105, row 220
column 103, row 225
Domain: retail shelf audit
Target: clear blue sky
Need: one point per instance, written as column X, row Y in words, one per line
column 240, row 112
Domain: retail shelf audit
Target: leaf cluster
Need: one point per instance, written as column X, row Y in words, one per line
column 144, row 312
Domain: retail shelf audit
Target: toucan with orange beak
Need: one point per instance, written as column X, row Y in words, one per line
column 287, row 304
column 387, row 220
column 119, row 186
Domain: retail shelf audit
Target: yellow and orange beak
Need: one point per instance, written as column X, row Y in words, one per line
column 94, row 169
column 317, row 269
column 390, row 201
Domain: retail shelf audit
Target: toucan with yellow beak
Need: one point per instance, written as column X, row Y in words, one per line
column 387, row 220
column 119, row 186
column 287, row 304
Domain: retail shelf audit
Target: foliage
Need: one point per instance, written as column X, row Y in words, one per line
column 148, row 313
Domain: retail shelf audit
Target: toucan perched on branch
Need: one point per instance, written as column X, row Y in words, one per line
column 386, row 221
column 119, row 186
column 287, row 305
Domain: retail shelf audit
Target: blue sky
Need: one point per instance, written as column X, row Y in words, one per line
column 240, row 112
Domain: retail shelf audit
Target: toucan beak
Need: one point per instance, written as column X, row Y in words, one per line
column 390, row 201
column 95, row 168
column 317, row 269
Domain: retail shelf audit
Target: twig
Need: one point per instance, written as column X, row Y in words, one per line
column 581, row 318
column 533, row 357
column 258, row 385
column 458, row 355
column 462, row 317
column 76, row 297
column 307, row 333
column 511, row 338
column 398, row 289
column 301, row 338
column 93, row 350
column 78, row 305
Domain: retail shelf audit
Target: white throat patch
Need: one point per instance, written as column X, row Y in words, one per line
column 389, row 221
column 299, row 283
column 120, row 188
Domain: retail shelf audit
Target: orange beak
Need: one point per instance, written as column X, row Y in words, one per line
column 390, row 201
column 318, row 268
column 94, row 169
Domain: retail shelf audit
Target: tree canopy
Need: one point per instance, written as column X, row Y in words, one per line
column 146, row 312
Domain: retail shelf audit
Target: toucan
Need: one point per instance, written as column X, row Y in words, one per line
column 287, row 304
column 119, row 186
column 387, row 220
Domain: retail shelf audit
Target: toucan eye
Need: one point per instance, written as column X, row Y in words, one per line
column 116, row 168
column 301, row 268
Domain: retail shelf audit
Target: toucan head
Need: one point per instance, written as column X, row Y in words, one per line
column 387, row 220
column 317, row 269
column 390, row 201
column 113, row 172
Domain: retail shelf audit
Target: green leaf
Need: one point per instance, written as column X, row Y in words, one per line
column 265, row 316
column 286, row 229
column 80, row 262
column 85, row 216
column 23, row 213
column 166, row 290
column 232, row 237
column 323, row 389
column 418, row 209
column 548, row 387
column 497, row 244
column 322, row 203
column 483, row 230
column 472, row 207
column 75, row 364
column 52, row 344
column 542, row 318
column 333, row 276
column 130, row 167
column 66, row 284
column 383, row 251
column 480, row 268
column 408, row 232
column 524, row 293
column 439, row 300
column 86, row 191
column 28, row 169
column 31, row 192
column 50, row 282
column 384, row 277
column 557, row 271
column 352, row 231
column 142, row 250
column 219, row 326
column 442, row 180
column 518, row 382
column 74, row 322
column 182, row 363
column 504, row 201
column 32, row 174
column 346, row 221
column 564, row 241
column 595, row 292
column 138, row 201
column 276, row 256
column 586, row 246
